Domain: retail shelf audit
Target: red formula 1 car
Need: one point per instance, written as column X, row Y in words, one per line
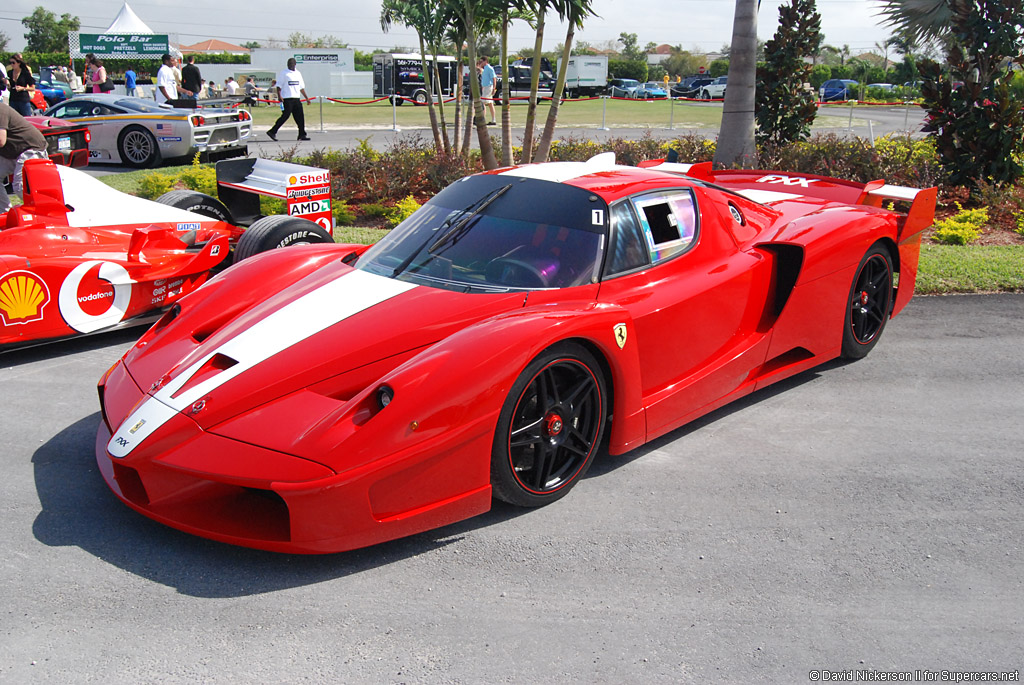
column 490, row 344
column 80, row 257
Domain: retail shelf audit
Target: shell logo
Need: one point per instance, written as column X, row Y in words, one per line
column 22, row 297
column 292, row 180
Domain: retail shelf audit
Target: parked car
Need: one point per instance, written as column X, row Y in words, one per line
column 690, row 86
column 837, row 89
column 623, row 87
column 141, row 133
column 53, row 91
column 360, row 401
column 714, row 90
column 67, row 142
column 652, row 90
column 520, row 78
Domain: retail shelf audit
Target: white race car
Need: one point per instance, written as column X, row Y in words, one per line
column 141, row 133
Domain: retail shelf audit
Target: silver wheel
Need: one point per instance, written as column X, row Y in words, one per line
column 138, row 147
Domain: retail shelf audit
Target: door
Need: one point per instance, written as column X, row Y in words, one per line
column 694, row 298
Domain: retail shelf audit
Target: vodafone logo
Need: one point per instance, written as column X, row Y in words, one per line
column 95, row 295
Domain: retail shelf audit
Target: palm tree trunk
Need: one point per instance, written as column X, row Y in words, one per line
column 736, row 138
column 506, row 108
column 479, row 121
column 531, row 110
column 428, row 81
column 443, row 124
column 544, row 147
column 456, row 130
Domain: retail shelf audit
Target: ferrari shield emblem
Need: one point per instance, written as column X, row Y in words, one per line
column 620, row 335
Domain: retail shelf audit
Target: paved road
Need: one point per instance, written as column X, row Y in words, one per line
column 863, row 516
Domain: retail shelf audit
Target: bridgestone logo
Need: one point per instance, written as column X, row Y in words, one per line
column 288, row 240
column 95, row 296
column 306, row 192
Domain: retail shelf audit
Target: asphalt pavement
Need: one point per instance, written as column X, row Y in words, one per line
column 859, row 518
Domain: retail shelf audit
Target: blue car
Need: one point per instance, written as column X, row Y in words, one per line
column 53, row 91
column 652, row 90
column 837, row 89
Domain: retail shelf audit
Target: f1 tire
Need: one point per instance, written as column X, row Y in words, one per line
column 272, row 232
column 200, row 203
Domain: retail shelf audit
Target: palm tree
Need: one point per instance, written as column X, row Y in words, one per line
column 471, row 12
column 920, row 19
column 417, row 15
column 573, row 12
column 736, row 137
column 539, row 8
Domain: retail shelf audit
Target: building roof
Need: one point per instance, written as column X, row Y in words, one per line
column 213, row 45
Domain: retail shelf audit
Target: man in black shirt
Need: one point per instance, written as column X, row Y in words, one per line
column 191, row 79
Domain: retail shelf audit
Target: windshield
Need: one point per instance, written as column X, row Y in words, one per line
column 495, row 233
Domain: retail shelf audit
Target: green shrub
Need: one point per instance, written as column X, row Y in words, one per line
column 202, row 179
column 962, row 228
column 401, row 211
column 154, row 185
column 271, row 206
column 1019, row 221
column 343, row 214
column 374, row 210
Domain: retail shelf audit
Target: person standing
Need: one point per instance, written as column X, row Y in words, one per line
column 22, row 86
column 98, row 76
column 191, row 79
column 251, row 92
column 487, row 79
column 166, row 85
column 19, row 141
column 130, row 82
column 291, row 89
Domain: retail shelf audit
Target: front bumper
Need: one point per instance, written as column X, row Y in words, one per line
column 223, row 489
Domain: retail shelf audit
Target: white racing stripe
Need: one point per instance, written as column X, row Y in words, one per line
column 765, row 197
column 313, row 312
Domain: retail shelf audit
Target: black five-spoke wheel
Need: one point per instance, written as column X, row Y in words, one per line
column 869, row 304
column 550, row 427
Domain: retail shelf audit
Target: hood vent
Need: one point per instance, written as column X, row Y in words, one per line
column 214, row 365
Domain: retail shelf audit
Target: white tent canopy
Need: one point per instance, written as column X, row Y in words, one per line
column 128, row 22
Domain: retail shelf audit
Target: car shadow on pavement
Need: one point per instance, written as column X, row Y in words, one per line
column 606, row 463
column 62, row 348
column 79, row 510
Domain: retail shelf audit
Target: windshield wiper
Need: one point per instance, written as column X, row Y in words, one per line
column 457, row 230
column 455, row 225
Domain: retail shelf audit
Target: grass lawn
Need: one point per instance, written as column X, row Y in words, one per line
column 581, row 113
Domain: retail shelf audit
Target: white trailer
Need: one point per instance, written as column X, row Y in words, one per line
column 586, row 75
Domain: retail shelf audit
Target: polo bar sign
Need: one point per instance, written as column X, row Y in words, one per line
column 123, row 45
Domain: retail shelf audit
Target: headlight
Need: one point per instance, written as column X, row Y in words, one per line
column 384, row 396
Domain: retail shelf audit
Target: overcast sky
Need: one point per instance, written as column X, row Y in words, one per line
column 701, row 25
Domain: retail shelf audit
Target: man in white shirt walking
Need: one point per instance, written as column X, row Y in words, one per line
column 292, row 90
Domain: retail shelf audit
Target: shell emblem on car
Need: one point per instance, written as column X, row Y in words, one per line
column 22, row 297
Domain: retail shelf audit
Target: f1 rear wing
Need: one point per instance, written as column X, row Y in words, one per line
column 917, row 204
column 241, row 181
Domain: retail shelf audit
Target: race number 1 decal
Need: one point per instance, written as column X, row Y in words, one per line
column 95, row 295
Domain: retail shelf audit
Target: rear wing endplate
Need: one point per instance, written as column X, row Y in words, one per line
column 241, row 181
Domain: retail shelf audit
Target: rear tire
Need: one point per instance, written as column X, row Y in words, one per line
column 200, row 203
column 869, row 304
column 272, row 232
column 138, row 148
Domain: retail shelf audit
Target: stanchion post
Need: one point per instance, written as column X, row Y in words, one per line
column 906, row 116
column 604, row 112
column 671, row 109
column 394, row 112
column 850, row 124
column 321, row 113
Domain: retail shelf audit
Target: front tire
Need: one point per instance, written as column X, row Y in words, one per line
column 869, row 304
column 272, row 232
column 199, row 203
column 138, row 148
column 549, row 428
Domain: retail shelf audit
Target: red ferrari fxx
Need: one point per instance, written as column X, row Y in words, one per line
column 79, row 257
column 330, row 397
column 66, row 142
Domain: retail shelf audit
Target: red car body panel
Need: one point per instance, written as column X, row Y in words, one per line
column 255, row 420
column 78, row 257
column 67, row 142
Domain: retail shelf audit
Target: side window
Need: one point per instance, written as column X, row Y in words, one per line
column 628, row 249
column 668, row 221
